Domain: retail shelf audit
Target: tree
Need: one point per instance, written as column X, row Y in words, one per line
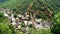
column 4, row 29
column 1, row 16
column 56, row 24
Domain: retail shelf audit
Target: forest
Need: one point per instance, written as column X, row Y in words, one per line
column 29, row 16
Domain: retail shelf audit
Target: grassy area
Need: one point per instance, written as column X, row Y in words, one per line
column 10, row 4
column 41, row 31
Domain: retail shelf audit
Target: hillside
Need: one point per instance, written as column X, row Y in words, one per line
column 30, row 16
column 54, row 4
column 10, row 4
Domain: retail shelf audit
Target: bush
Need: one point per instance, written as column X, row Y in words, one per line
column 30, row 26
column 56, row 24
column 1, row 16
column 4, row 29
column 41, row 31
column 20, row 33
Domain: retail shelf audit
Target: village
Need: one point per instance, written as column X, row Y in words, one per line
column 29, row 17
column 26, row 20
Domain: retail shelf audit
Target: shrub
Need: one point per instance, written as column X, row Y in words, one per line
column 4, row 29
column 41, row 31
column 56, row 24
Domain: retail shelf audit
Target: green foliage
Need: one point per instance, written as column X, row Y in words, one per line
column 41, row 31
column 4, row 29
column 40, row 16
column 56, row 29
column 3, row 19
column 30, row 26
column 54, row 4
column 12, row 29
column 57, row 18
column 21, row 6
column 56, row 24
column 1, row 15
column 10, row 4
column 20, row 33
